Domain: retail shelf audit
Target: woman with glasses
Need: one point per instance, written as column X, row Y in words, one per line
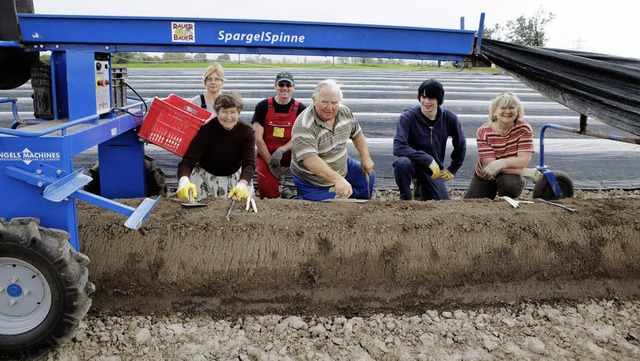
column 272, row 121
column 213, row 79
column 505, row 148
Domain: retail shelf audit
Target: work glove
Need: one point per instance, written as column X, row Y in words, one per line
column 240, row 191
column 532, row 174
column 277, row 171
column 435, row 169
column 186, row 189
column 274, row 164
column 276, row 157
column 491, row 170
column 446, row 175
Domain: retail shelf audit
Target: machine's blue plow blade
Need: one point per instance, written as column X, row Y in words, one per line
column 63, row 188
column 136, row 215
column 141, row 213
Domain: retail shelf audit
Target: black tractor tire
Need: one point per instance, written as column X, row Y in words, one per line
column 543, row 188
column 155, row 179
column 46, row 288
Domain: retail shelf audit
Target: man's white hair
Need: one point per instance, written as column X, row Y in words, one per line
column 329, row 85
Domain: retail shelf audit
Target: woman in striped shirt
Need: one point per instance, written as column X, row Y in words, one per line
column 505, row 148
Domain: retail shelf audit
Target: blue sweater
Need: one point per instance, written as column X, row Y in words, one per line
column 423, row 140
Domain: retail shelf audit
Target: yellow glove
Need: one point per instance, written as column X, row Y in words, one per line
column 446, row 175
column 435, row 169
column 240, row 191
column 186, row 189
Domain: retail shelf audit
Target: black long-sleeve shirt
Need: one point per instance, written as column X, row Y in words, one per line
column 222, row 152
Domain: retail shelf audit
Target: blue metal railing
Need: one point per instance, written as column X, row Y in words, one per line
column 91, row 119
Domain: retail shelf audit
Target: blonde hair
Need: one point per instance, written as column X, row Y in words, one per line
column 214, row 68
column 505, row 100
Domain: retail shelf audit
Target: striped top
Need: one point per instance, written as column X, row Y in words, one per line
column 492, row 144
column 310, row 136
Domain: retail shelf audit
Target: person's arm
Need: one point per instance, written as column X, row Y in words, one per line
column 186, row 189
column 401, row 147
column 259, row 115
column 524, row 138
column 319, row 167
column 286, row 147
column 360, row 143
column 486, row 153
column 514, row 165
column 260, row 144
column 509, row 165
column 248, row 156
column 193, row 154
column 459, row 142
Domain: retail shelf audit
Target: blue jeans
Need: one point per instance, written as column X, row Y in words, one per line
column 355, row 176
column 404, row 170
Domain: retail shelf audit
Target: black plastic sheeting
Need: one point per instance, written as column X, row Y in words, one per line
column 15, row 63
column 599, row 86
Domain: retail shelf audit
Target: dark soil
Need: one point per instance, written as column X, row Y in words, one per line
column 356, row 258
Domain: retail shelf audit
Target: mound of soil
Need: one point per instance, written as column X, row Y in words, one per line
column 352, row 258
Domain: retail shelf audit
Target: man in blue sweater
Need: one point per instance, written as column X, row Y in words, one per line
column 420, row 144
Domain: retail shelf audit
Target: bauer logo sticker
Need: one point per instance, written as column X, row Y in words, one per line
column 183, row 32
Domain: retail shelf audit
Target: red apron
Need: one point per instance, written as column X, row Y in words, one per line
column 277, row 129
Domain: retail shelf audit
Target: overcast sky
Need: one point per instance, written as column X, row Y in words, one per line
column 608, row 27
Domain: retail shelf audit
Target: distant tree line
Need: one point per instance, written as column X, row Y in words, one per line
column 125, row 58
column 523, row 30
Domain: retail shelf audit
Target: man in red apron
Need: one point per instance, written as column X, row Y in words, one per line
column 272, row 121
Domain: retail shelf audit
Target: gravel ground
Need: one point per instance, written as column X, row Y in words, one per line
column 593, row 330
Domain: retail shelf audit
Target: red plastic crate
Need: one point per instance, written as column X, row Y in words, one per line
column 172, row 123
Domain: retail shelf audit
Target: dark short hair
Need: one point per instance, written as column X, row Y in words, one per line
column 228, row 100
column 431, row 89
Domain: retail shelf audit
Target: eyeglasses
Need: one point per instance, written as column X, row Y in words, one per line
column 209, row 79
column 284, row 84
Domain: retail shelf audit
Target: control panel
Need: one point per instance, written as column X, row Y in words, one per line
column 103, row 83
